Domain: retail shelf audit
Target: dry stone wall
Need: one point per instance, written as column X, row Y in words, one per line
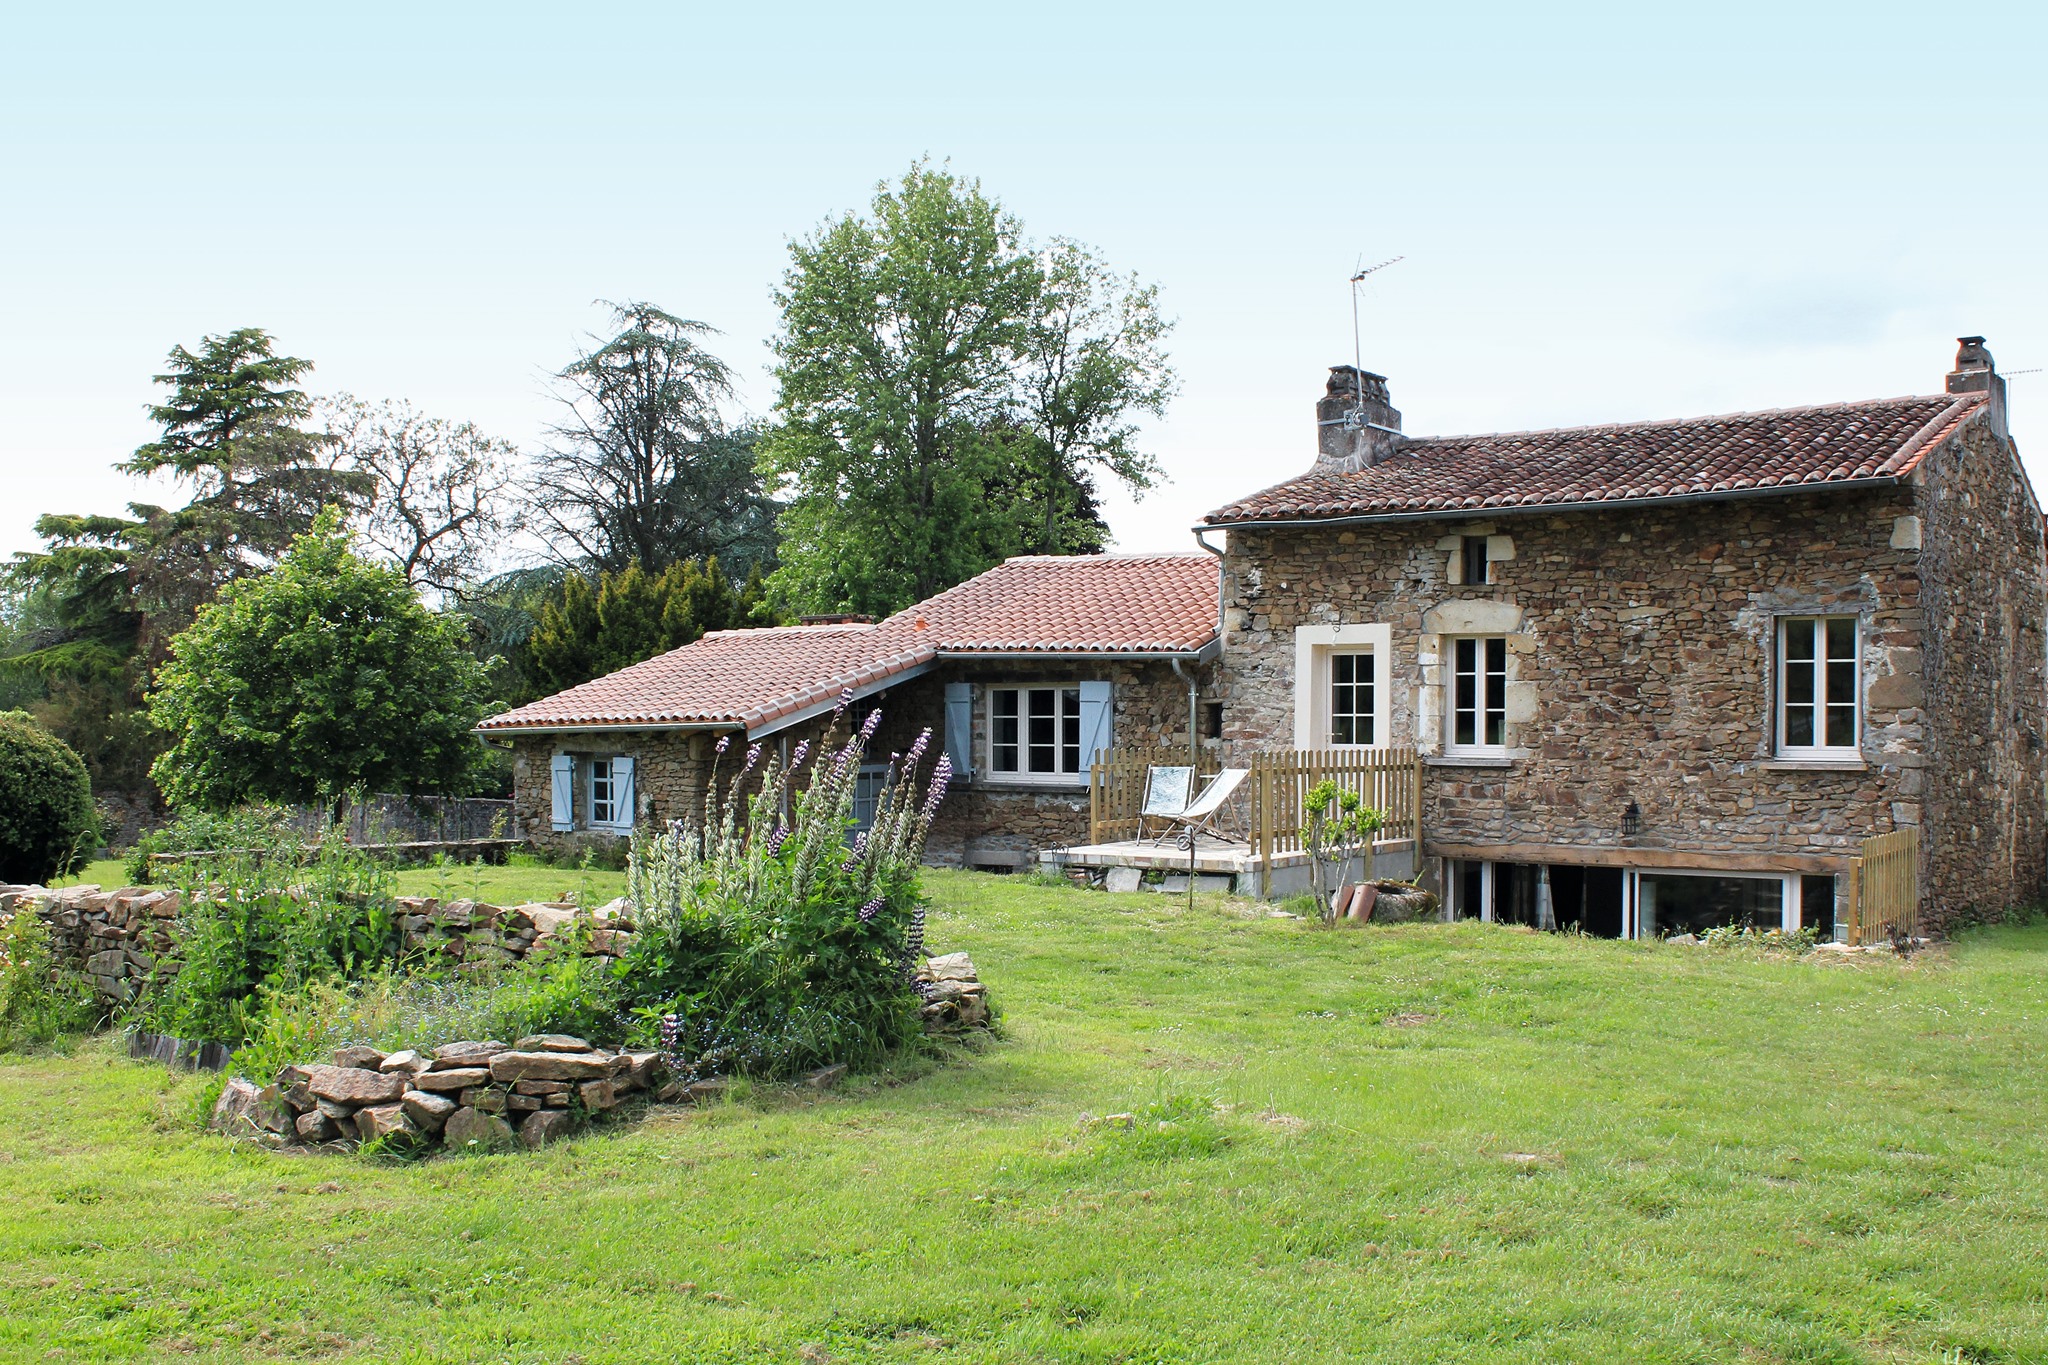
column 463, row 1096
column 123, row 938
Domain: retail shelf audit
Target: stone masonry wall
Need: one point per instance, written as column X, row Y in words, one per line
column 123, row 938
column 1641, row 645
column 1985, row 599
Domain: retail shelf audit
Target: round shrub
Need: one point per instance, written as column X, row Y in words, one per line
column 47, row 825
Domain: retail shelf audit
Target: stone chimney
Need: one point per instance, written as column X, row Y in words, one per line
column 1975, row 373
column 1356, row 424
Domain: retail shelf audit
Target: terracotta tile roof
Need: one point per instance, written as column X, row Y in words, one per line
column 1125, row 604
column 1694, row 457
column 1077, row 604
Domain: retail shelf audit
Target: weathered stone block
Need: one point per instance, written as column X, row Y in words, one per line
column 427, row 1110
column 355, row 1085
column 447, row 1082
column 471, row 1130
column 550, row 1066
column 545, row 1126
column 551, row 1042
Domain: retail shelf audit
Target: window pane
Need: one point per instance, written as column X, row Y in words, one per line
column 1070, row 730
column 1801, row 679
column 1005, row 739
column 1799, row 639
column 1474, row 548
column 1841, row 727
column 1841, row 637
column 1496, row 691
column 1041, row 730
column 1465, row 692
column 1351, row 699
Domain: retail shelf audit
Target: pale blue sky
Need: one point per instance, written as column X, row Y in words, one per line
column 1607, row 212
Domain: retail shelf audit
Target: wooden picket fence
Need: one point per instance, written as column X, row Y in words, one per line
column 1270, row 803
column 1388, row 780
column 1116, row 789
column 1884, row 887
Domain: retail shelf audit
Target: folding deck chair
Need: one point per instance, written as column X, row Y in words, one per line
column 1201, row 815
column 1166, row 795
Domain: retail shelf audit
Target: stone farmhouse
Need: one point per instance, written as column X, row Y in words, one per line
column 1648, row 677
column 1027, row 675
column 1666, row 675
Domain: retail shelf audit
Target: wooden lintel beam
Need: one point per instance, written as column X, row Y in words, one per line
column 1648, row 859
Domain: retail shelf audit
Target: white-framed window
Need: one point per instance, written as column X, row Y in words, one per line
column 1034, row 733
column 1477, row 718
column 1341, row 685
column 1351, row 697
column 604, row 793
column 1818, row 701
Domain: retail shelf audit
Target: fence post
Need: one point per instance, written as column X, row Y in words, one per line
column 1855, row 925
column 1415, row 762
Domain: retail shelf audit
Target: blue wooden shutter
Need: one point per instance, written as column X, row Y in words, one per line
column 960, row 728
column 562, row 768
column 623, row 810
column 1095, row 724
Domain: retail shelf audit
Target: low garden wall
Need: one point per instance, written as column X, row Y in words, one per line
column 120, row 939
column 469, row 1096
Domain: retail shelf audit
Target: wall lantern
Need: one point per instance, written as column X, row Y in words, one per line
column 1631, row 821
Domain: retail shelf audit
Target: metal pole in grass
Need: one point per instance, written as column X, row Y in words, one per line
column 1191, row 869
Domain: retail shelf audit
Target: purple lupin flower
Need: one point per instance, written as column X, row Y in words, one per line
column 803, row 750
column 776, row 840
column 853, row 855
column 867, row 727
column 724, row 743
column 919, row 745
column 845, row 700
column 753, row 757
column 914, row 940
column 870, row 910
column 942, row 773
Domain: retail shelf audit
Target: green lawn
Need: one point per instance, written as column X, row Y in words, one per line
column 1426, row 1143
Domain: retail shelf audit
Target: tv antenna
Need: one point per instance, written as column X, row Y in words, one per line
column 1358, row 279
column 1357, row 414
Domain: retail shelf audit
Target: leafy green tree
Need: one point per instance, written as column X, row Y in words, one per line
column 948, row 396
column 320, row 676
column 114, row 590
column 233, row 429
column 1091, row 363
column 898, row 331
column 642, row 468
column 596, row 626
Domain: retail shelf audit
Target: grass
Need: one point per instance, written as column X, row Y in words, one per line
column 1425, row 1143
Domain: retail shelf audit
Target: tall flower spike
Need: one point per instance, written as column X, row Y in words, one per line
column 796, row 760
column 845, row 700
column 753, row 757
column 724, row 743
column 870, row 910
column 867, row 727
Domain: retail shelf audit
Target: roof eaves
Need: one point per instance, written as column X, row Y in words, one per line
column 1449, row 511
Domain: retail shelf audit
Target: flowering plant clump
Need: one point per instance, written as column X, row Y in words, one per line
column 769, row 942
